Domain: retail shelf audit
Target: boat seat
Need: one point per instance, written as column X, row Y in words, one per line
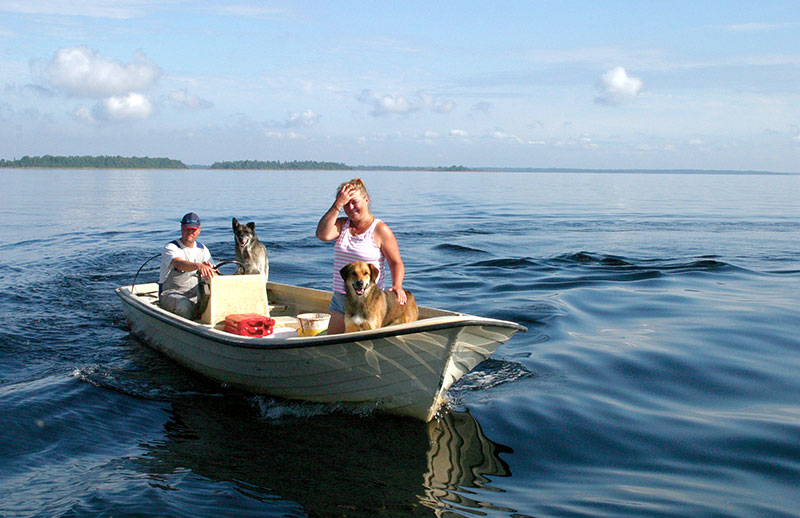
column 235, row 294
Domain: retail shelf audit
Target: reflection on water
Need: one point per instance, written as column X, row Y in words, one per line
column 329, row 465
column 461, row 458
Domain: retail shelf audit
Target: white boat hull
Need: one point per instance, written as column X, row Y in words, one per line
column 404, row 369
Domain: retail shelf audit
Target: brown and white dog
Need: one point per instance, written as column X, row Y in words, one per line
column 366, row 306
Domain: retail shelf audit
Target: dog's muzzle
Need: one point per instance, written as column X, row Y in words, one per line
column 360, row 287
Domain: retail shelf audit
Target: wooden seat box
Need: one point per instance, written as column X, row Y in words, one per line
column 235, row 295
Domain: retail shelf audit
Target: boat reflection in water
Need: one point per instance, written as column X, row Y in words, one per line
column 326, row 465
column 461, row 458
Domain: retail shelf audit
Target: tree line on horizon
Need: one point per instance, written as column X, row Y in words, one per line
column 277, row 164
column 120, row 162
column 97, row 162
column 313, row 164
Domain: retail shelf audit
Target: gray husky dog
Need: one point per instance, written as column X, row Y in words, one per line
column 249, row 250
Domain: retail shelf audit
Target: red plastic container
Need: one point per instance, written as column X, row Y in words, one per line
column 249, row 324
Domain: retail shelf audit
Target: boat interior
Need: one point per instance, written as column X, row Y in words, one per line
column 245, row 294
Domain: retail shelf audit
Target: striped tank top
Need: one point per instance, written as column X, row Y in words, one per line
column 360, row 247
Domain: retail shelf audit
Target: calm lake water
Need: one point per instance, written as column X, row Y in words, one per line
column 660, row 375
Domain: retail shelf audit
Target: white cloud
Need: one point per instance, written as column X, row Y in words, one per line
column 303, row 120
column 436, row 105
column 458, row 133
column 183, row 99
column 482, row 107
column 289, row 135
column 605, row 56
column 83, row 113
column 113, row 9
column 389, row 104
column 386, row 104
column 760, row 27
column 82, row 72
column 502, row 135
column 248, row 11
column 616, row 87
column 131, row 106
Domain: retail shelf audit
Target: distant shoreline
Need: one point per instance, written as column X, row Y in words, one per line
column 118, row 162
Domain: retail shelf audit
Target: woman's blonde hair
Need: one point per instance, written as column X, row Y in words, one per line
column 358, row 183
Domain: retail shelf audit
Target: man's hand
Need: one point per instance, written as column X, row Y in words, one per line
column 206, row 270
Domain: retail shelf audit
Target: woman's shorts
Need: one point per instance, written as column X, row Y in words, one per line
column 337, row 303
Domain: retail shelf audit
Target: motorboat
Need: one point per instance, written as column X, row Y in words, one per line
column 401, row 369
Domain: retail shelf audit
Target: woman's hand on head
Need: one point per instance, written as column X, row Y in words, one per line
column 347, row 193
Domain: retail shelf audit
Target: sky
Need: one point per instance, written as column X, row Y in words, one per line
column 535, row 84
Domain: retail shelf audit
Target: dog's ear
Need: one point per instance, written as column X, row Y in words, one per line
column 252, row 225
column 345, row 271
column 373, row 272
column 235, row 223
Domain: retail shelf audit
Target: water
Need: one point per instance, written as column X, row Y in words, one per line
column 659, row 375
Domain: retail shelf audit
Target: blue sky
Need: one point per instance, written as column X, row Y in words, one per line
column 585, row 84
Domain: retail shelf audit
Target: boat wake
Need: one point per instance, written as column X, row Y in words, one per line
column 491, row 373
column 488, row 374
column 135, row 386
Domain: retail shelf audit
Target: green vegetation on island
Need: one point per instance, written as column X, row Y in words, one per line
column 412, row 168
column 120, row 162
column 277, row 164
column 95, row 162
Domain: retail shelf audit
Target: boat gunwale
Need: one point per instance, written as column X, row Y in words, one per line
column 457, row 320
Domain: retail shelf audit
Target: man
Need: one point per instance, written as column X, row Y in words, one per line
column 181, row 259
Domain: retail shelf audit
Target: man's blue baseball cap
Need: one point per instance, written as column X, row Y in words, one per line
column 190, row 220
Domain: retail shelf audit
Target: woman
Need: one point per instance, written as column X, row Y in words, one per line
column 359, row 237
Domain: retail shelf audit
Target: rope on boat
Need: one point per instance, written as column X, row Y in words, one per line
column 133, row 284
